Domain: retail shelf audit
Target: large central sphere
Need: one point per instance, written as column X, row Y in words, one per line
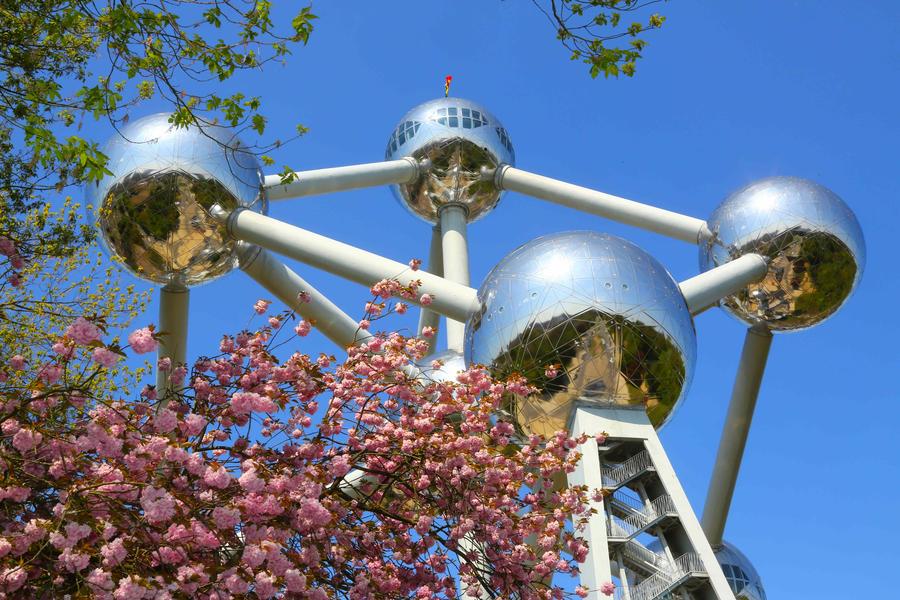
column 458, row 138
column 813, row 242
column 153, row 212
column 601, row 311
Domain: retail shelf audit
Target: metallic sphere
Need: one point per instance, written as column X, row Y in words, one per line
column 153, row 211
column 458, row 138
column 814, row 243
column 453, row 365
column 604, row 312
column 742, row 577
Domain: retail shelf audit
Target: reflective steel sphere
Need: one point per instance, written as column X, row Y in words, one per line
column 605, row 313
column 458, row 137
column 453, row 365
column 814, row 243
column 742, row 577
column 153, row 211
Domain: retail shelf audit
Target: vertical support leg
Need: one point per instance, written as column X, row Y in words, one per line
column 596, row 569
column 734, row 434
column 427, row 317
column 173, row 324
column 455, row 250
column 634, row 435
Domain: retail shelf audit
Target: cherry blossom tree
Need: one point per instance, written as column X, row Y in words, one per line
column 260, row 477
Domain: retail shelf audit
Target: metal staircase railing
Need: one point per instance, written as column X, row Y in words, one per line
column 647, row 559
column 613, row 477
column 686, row 566
column 638, row 520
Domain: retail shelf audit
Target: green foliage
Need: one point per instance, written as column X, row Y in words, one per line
column 64, row 62
column 594, row 32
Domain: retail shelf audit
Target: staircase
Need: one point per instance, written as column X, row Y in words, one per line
column 615, row 476
column 627, row 521
column 687, row 566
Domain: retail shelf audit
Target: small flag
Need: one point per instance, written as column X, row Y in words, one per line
column 447, row 81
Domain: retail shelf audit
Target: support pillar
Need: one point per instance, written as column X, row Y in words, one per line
column 173, row 325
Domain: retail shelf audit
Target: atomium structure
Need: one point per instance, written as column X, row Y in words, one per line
column 598, row 326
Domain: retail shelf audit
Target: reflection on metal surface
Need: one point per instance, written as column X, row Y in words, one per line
column 740, row 573
column 604, row 312
column 814, row 243
column 453, row 365
column 458, row 137
column 153, row 211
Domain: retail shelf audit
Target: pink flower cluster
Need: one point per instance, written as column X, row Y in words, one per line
column 289, row 477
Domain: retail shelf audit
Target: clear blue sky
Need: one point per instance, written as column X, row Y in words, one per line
column 728, row 92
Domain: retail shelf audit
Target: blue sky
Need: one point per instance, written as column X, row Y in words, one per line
column 728, row 92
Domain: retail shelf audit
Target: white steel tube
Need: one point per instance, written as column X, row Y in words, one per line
column 429, row 318
column 451, row 299
column 173, row 325
column 286, row 285
column 455, row 251
column 338, row 179
column 704, row 290
column 734, row 433
column 659, row 220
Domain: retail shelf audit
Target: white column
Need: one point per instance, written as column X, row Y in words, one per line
column 173, row 325
column 665, row 222
column 286, row 285
column 596, row 569
column 337, row 179
column 427, row 317
column 704, row 290
column 735, row 432
column 450, row 299
column 455, row 250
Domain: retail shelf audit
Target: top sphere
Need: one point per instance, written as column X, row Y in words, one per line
column 742, row 577
column 605, row 313
column 458, row 137
column 812, row 239
column 153, row 211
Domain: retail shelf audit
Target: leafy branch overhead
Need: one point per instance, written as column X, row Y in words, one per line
column 607, row 35
column 63, row 62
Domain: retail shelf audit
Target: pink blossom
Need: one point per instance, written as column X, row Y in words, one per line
column 364, row 324
column 608, row 588
column 274, row 322
column 105, row 357
column 425, row 299
column 428, row 331
column 7, row 247
column 158, row 505
column 414, row 264
column 226, row 518
column 64, row 350
column 304, row 297
column 83, row 332
column 114, row 552
column 15, row 280
column 142, row 340
column 165, row 421
column 17, row 362
column 303, row 328
column 401, row 308
column 26, row 439
column 164, row 364
column 601, row 438
column 50, row 373
column 73, row 561
column 217, row 477
column 261, row 306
